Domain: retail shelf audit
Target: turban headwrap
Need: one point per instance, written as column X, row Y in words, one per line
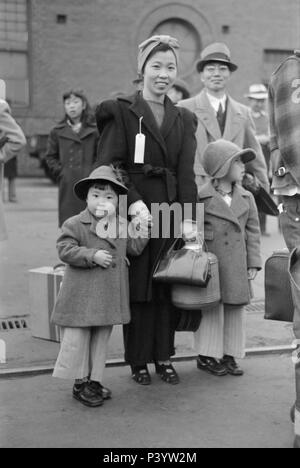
column 146, row 47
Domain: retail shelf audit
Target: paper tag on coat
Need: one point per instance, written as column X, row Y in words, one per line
column 139, row 153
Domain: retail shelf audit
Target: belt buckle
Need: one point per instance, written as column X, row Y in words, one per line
column 281, row 171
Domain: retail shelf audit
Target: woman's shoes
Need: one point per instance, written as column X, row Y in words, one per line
column 140, row 375
column 167, row 373
column 87, row 395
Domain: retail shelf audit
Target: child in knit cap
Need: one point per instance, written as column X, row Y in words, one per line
column 232, row 233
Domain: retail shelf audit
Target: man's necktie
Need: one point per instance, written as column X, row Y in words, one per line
column 221, row 118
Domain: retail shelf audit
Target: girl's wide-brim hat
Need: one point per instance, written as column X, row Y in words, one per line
column 219, row 155
column 102, row 173
column 216, row 52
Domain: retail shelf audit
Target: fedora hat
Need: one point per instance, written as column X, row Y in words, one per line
column 215, row 52
column 102, row 173
column 257, row 91
column 218, row 156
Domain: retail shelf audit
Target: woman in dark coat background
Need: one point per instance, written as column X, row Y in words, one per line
column 165, row 176
column 72, row 151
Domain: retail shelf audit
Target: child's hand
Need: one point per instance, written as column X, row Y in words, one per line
column 252, row 272
column 103, row 258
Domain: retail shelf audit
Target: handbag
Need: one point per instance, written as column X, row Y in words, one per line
column 263, row 200
column 183, row 266
column 188, row 297
column 278, row 293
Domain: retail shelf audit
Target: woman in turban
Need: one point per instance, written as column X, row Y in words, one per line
column 161, row 172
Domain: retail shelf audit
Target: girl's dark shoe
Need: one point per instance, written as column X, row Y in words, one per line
column 167, row 373
column 87, row 396
column 140, row 375
column 211, row 365
column 100, row 390
column 232, row 367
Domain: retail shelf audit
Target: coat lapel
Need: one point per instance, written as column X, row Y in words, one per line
column 207, row 116
column 216, row 206
column 239, row 204
column 171, row 114
column 141, row 109
column 87, row 130
column 234, row 120
column 67, row 132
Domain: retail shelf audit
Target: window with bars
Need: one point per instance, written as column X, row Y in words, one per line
column 14, row 50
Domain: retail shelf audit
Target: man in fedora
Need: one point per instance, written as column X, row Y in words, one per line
column 220, row 116
column 257, row 97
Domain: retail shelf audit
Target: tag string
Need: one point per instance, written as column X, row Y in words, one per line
column 140, row 125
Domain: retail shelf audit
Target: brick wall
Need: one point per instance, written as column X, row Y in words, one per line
column 96, row 48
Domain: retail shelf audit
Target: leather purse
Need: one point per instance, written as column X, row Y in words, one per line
column 278, row 293
column 263, row 200
column 194, row 298
column 183, row 266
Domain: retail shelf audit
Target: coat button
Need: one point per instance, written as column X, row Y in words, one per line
column 226, row 243
column 113, row 265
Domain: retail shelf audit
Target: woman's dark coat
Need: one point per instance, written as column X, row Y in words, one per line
column 166, row 176
column 71, row 157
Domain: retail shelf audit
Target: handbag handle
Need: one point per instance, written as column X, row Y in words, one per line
column 200, row 230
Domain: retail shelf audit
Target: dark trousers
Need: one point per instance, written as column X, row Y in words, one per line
column 290, row 225
column 150, row 335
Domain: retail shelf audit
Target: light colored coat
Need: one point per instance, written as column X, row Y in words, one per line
column 239, row 129
column 16, row 141
column 233, row 235
column 91, row 295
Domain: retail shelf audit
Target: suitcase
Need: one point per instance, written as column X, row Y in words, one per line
column 44, row 285
column 278, row 294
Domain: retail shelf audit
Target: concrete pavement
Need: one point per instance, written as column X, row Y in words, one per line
column 203, row 411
